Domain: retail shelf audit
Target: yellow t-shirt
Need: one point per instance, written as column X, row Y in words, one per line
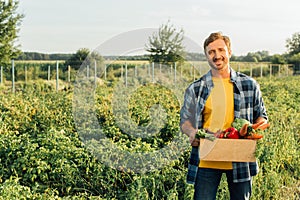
column 218, row 114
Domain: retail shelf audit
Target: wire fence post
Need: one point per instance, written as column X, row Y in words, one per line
column 49, row 72
column 126, row 74
column 152, row 72
column 1, row 75
column 87, row 71
column 57, row 75
column 181, row 71
column 105, row 68
column 95, row 73
column 25, row 73
column 13, row 75
column 69, row 73
column 159, row 67
column 149, row 70
column 122, row 71
column 194, row 75
column 175, row 73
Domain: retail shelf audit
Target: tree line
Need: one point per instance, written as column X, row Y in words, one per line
column 77, row 57
column 43, row 56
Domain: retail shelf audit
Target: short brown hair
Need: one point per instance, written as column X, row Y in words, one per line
column 214, row 36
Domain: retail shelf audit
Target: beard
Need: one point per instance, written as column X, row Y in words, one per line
column 218, row 64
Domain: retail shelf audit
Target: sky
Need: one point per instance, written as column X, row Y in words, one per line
column 64, row 26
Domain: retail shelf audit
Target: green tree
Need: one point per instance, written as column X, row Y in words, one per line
column 166, row 46
column 278, row 59
column 10, row 20
column 293, row 44
column 77, row 59
column 264, row 56
column 294, row 59
column 252, row 57
column 83, row 56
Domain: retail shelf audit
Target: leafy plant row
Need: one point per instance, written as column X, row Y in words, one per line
column 42, row 155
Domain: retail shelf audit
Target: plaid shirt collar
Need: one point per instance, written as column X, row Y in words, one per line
column 207, row 78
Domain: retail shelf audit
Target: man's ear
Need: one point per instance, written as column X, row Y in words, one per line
column 229, row 52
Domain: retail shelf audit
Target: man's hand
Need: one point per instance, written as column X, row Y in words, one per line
column 190, row 131
column 261, row 123
column 193, row 140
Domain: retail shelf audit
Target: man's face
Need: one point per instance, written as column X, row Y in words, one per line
column 218, row 55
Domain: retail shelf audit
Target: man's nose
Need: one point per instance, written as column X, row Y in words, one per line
column 217, row 56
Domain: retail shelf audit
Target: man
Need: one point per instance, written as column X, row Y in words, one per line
column 212, row 103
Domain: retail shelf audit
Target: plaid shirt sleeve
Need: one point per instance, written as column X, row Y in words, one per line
column 188, row 110
column 259, row 107
column 194, row 101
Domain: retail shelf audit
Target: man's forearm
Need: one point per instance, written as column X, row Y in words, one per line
column 187, row 128
column 261, row 123
column 259, row 119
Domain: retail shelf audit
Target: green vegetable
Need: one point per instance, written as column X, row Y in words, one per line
column 239, row 122
column 250, row 129
column 203, row 134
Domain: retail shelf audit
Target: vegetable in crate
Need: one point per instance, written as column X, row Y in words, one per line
column 203, row 134
column 248, row 130
column 231, row 133
column 254, row 136
column 238, row 123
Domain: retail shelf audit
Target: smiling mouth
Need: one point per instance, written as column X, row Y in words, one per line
column 218, row 63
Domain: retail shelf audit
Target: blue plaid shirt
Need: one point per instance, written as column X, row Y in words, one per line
column 248, row 104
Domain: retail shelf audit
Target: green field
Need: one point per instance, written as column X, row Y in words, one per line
column 42, row 156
